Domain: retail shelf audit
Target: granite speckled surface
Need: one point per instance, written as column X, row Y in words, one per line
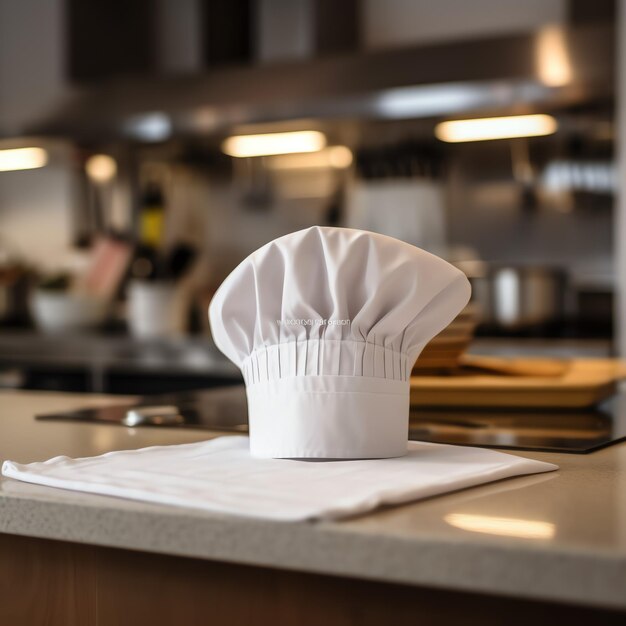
column 558, row 536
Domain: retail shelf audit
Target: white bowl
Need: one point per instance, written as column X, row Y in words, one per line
column 155, row 309
column 59, row 311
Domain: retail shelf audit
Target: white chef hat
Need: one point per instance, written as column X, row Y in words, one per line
column 325, row 325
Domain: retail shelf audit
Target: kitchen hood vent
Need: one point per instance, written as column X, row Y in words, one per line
column 548, row 69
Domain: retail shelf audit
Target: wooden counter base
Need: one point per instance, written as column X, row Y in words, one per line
column 52, row 583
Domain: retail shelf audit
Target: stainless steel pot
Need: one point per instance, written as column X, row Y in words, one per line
column 515, row 297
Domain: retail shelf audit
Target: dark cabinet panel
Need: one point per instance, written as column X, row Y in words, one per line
column 227, row 30
column 108, row 38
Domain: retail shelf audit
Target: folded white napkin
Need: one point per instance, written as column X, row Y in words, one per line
column 221, row 476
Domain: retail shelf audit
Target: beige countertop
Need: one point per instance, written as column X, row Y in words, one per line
column 558, row 536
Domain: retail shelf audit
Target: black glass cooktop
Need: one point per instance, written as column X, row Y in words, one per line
column 225, row 409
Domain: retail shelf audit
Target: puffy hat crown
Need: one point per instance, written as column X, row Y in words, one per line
column 325, row 325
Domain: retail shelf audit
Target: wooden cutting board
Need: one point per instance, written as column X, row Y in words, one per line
column 575, row 383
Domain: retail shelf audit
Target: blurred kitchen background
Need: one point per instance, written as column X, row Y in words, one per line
column 147, row 147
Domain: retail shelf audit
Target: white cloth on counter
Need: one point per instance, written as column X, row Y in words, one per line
column 325, row 325
column 220, row 476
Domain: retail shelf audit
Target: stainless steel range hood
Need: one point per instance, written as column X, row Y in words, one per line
column 496, row 74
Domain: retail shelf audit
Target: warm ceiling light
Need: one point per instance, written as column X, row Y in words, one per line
column 22, row 159
column 496, row 128
column 338, row 157
column 505, row 526
column 553, row 61
column 101, row 168
column 274, row 143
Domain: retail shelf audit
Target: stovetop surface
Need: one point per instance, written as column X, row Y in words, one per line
column 225, row 409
